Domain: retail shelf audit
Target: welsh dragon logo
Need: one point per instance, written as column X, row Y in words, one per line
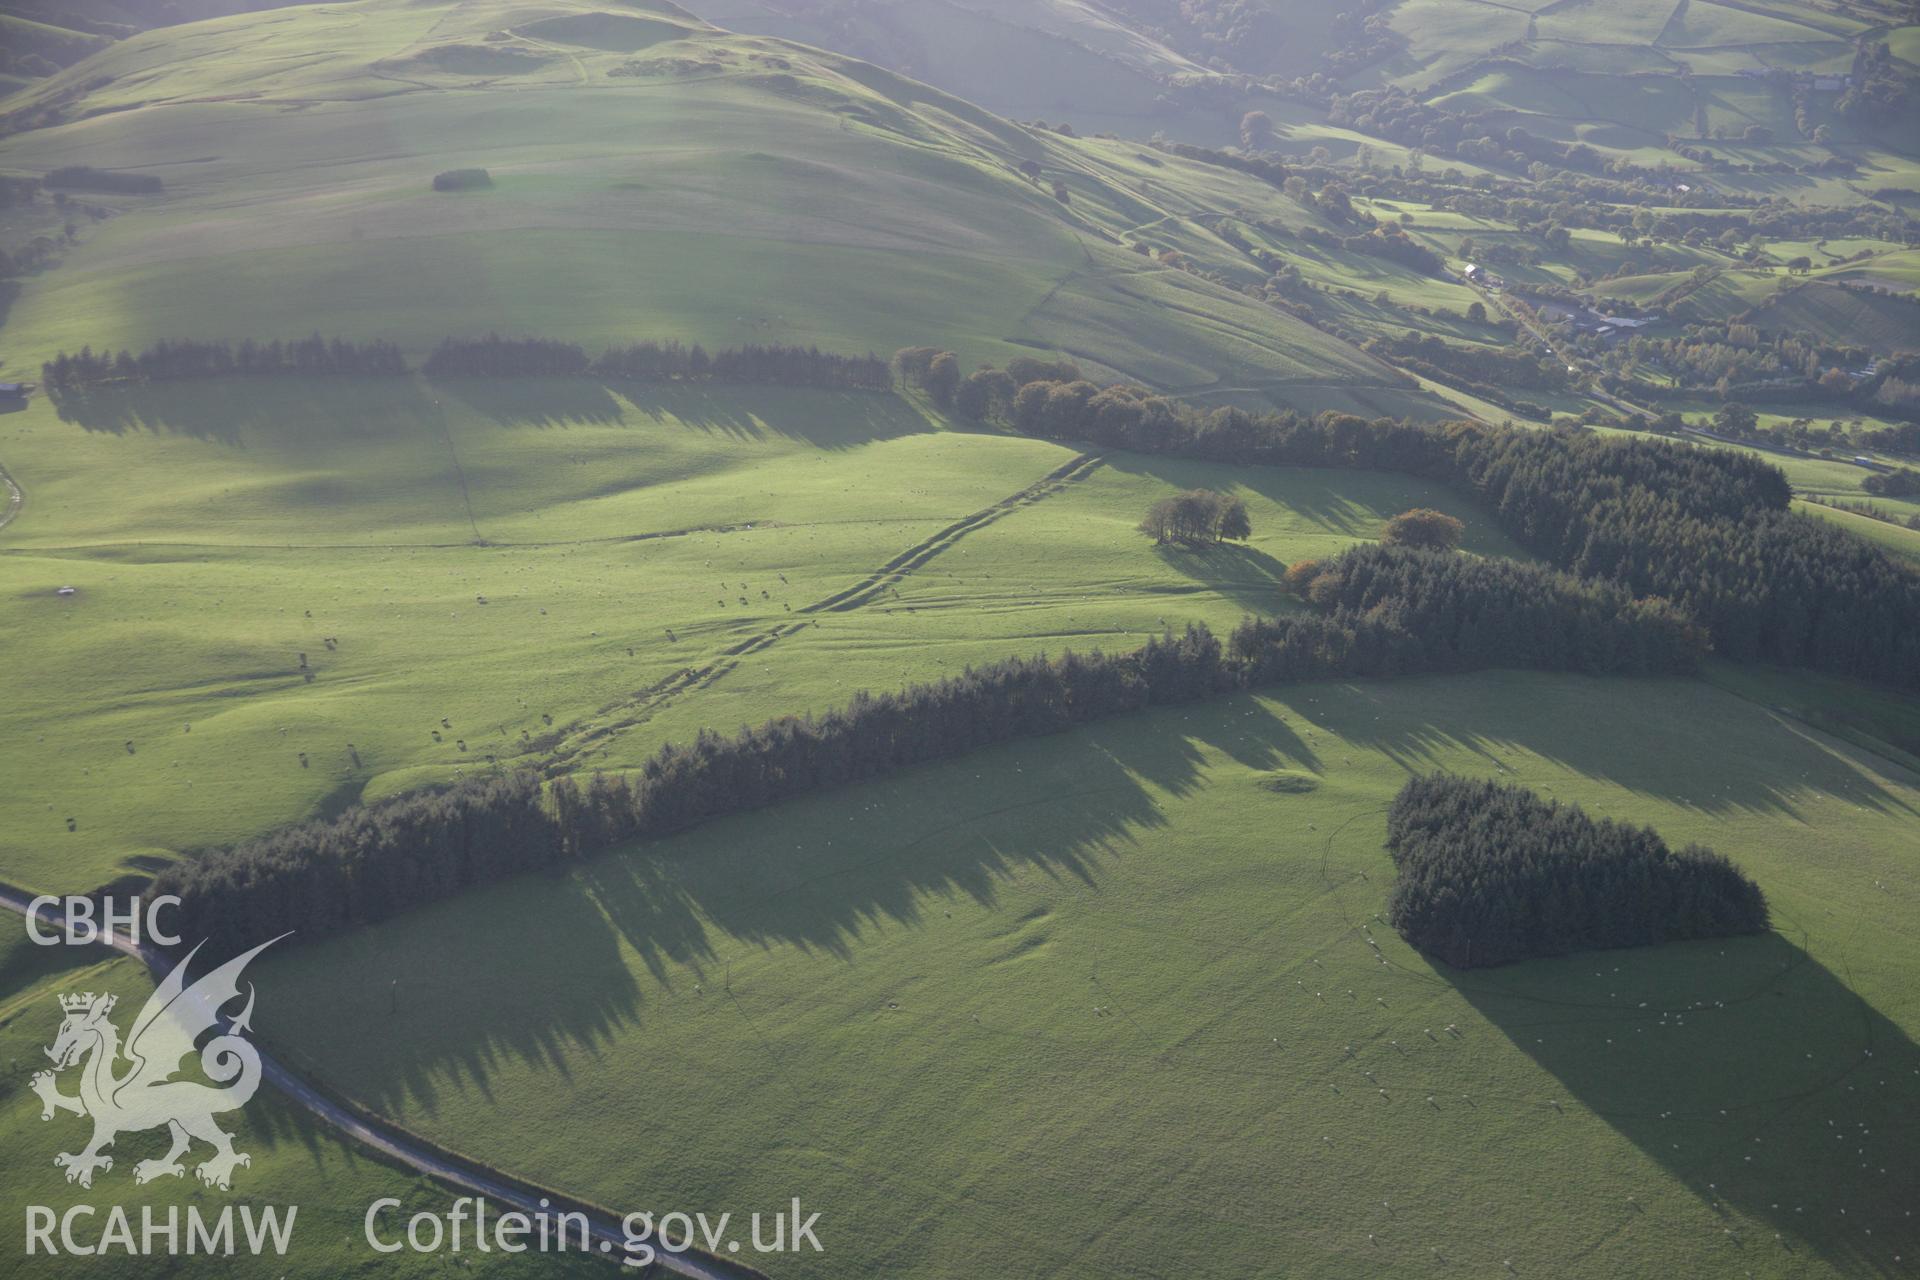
column 143, row 1093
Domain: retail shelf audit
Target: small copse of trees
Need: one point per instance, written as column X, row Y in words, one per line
column 462, row 180
column 1197, row 518
column 1490, row 874
column 1901, row 483
column 932, row 370
column 1412, row 612
column 1425, row 528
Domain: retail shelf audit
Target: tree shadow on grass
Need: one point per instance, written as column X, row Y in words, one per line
column 535, row 970
column 818, row 872
column 241, row 410
column 430, row 1002
column 824, row 419
column 1244, row 574
column 482, row 989
column 533, row 402
column 1749, row 1072
column 1341, row 501
column 24, row 964
column 1707, row 751
column 821, row 875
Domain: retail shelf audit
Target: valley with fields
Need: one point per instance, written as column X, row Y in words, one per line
column 1022, row 638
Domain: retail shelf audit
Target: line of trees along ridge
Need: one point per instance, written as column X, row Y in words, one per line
column 491, row 356
column 1380, row 612
column 174, row 360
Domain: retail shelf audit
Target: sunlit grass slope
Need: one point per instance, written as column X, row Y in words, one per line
column 468, row 568
column 1120, row 1002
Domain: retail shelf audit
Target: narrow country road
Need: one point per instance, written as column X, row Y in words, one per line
column 604, row 1228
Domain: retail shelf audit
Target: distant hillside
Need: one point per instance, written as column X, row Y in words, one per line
column 39, row 37
column 1632, row 77
column 1134, row 67
column 652, row 176
column 30, row 48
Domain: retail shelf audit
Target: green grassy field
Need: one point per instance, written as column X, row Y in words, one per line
column 1836, row 478
column 1117, row 1002
column 216, row 532
column 1112, row 1002
column 1860, row 714
column 1898, row 539
column 1026, row 61
column 1042, row 58
column 1842, row 316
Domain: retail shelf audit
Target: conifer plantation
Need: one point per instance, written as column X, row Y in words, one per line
column 1490, row 874
column 173, row 360
column 1708, row 530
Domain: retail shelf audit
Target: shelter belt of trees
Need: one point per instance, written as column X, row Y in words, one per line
column 1384, row 611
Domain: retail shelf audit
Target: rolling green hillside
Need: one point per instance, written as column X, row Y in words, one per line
column 645, row 164
column 1115, row 1002
column 653, row 177
column 1120, row 1003
column 1032, row 60
column 536, row 560
column 1134, row 69
column 57, row 45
